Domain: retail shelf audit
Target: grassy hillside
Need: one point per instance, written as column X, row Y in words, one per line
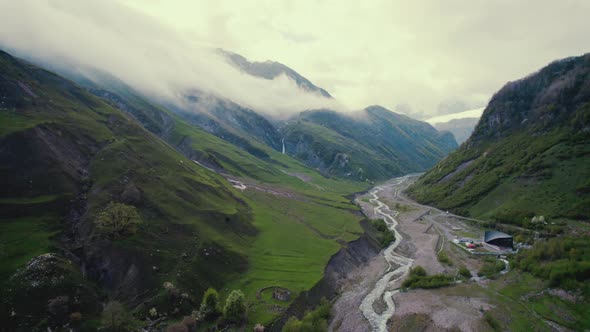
column 528, row 155
column 65, row 154
column 373, row 144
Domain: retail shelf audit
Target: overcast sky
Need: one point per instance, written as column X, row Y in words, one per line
column 424, row 56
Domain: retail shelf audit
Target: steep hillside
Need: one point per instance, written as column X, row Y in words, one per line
column 528, row 155
column 272, row 69
column 460, row 128
column 372, row 144
column 65, row 154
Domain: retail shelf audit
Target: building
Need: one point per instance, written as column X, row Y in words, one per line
column 498, row 239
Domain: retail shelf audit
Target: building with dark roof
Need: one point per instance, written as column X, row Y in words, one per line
column 498, row 239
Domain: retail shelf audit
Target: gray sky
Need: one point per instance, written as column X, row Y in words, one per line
column 416, row 53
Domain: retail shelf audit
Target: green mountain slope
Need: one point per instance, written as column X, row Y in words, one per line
column 65, row 154
column 528, row 155
column 373, row 144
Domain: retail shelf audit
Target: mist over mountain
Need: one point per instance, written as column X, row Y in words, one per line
column 154, row 59
column 460, row 128
column 270, row 70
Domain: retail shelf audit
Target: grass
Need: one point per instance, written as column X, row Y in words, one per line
column 229, row 239
column 517, row 178
column 296, row 240
column 24, row 238
column 444, row 258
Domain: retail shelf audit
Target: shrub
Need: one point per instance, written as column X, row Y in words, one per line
column 118, row 219
column 418, row 271
column 313, row 321
column 115, row 316
column 464, row 272
column 210, row 305
column 443, row 258
column 490, row 268
column 234, row 310
column 494, row 324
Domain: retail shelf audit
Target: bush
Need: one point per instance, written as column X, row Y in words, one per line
column 443, row 258
column 385, row 236
column 490, row 268
column 464, row 272
column 428, row 282
column 417, row 271
column 494, row 324
column 115, row 317
column 313, row 321
column 118, row 219
column 210, row 305
column 234, row 310
column 564, row 261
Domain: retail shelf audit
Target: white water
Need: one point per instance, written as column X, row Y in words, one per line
column 283, row 141
column 399, row 267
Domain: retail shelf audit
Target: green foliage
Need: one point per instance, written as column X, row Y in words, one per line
column 384, row 236
column 313, row 321
column 464, row 272
column 210, row 304
column 444, row 258
column 564, row 261
column 513, row 170
column 419, row 279
column 234, row 310
column 380, row 145
column 491, row 267
column 417, row 271
column 118, row 219
column 492, row 321
column 116, row 318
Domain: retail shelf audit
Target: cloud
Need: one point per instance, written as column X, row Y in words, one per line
column 422, row 53
column 141, row 51
column 388, row 52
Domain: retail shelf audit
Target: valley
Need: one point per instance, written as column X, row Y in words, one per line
column 423, row 233
column 162, row 168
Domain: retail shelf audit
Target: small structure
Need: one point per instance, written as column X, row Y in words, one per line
column 498, row 239
column 281, row 294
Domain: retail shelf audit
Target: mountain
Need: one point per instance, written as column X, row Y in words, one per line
column 67, row 151
column 373, row 144
column 65, row 154
column 271, row 69
column 460, row 128
column 528, row 155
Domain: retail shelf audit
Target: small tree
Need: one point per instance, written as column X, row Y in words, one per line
column 118, row 219
column 235, row 307
column 210, row 304
column 114, row 316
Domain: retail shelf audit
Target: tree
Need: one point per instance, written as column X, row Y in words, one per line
column 210, row 304
column 118, row 219
column 114, row 316
column 235, row 307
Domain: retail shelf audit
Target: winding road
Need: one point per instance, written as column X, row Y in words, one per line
column 398, row 267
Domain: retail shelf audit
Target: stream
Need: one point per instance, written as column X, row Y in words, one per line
column 398, row 266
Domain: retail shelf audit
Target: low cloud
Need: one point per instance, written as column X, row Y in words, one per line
column 150, row 57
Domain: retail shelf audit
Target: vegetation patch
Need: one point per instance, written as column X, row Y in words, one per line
column 419, row 279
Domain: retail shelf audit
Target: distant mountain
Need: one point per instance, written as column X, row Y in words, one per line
column 460, row 128
column 372, row 144
column 270, row 70
column 528, row 155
